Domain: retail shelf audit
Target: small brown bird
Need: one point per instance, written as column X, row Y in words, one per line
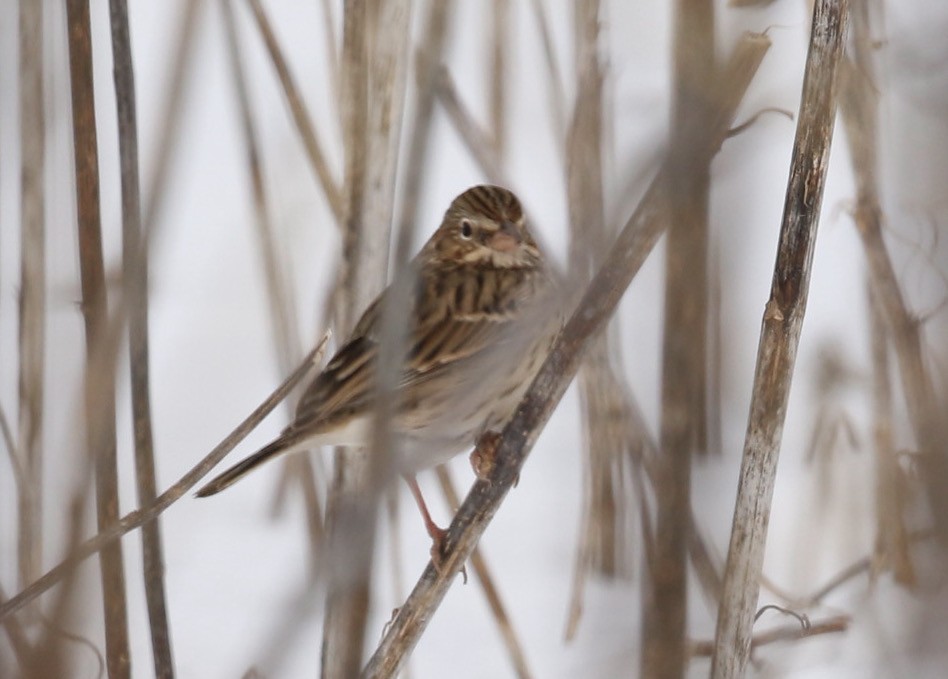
column 482, row 318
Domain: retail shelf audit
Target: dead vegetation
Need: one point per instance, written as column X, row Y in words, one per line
column 391, row 79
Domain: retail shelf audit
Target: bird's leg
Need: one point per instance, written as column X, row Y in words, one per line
column 435, row 532
column 484, row 457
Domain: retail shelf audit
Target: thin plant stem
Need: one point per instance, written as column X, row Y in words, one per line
column 664, row 623
column 353, row 495
column 32, row 312
column 499, row 47
column 100, row 412
column 556, row 97
column 301, row 117
column 779, row 339
column 135, row 273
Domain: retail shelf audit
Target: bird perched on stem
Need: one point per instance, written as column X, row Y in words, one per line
column 482, row 317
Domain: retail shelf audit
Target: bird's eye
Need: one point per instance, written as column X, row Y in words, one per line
column 467, row 229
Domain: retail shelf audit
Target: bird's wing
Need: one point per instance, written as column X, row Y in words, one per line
column 453, row 317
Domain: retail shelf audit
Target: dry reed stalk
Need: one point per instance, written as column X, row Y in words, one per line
column 135, row 274
column 499, row 47
column 892, row 545
column 859, row 105
column 479, row 564
column 28, row 453
column 779, row 338
column 602, row 386
column 332, row 47
column 354, row 493
column 100, row 412
column 664, row 620
column 139, row 517
column 168, row 133
column 301, row 116
column 388, row 64
column 632, row 246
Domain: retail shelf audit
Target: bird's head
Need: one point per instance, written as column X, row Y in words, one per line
column 484, row 226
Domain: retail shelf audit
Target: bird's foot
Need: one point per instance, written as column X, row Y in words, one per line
column 439, row 543
column 484, row 457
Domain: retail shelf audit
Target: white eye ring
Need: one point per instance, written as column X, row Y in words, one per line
column 467, row 229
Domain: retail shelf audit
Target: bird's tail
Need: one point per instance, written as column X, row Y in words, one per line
column 283, row 444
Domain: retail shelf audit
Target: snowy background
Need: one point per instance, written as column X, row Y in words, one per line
column 238, row 573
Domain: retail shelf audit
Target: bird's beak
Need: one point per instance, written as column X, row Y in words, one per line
column 507, row 238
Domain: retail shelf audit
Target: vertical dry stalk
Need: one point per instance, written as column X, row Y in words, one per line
column 497, row 95
column 351, row 512
column 860, row 115
column 100, row 411
column 664, row 651
column 588, row 239
column 779, row 338
column 389, row 40
column 135, row 273
column 389, row 26
column 891, row 550
column 629, row 251
column 32, row 331
column 602, row 388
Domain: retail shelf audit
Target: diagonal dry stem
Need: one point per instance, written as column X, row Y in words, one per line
column 301, row 116
column 779, row 338
column 556, row 97
column 139, row 517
